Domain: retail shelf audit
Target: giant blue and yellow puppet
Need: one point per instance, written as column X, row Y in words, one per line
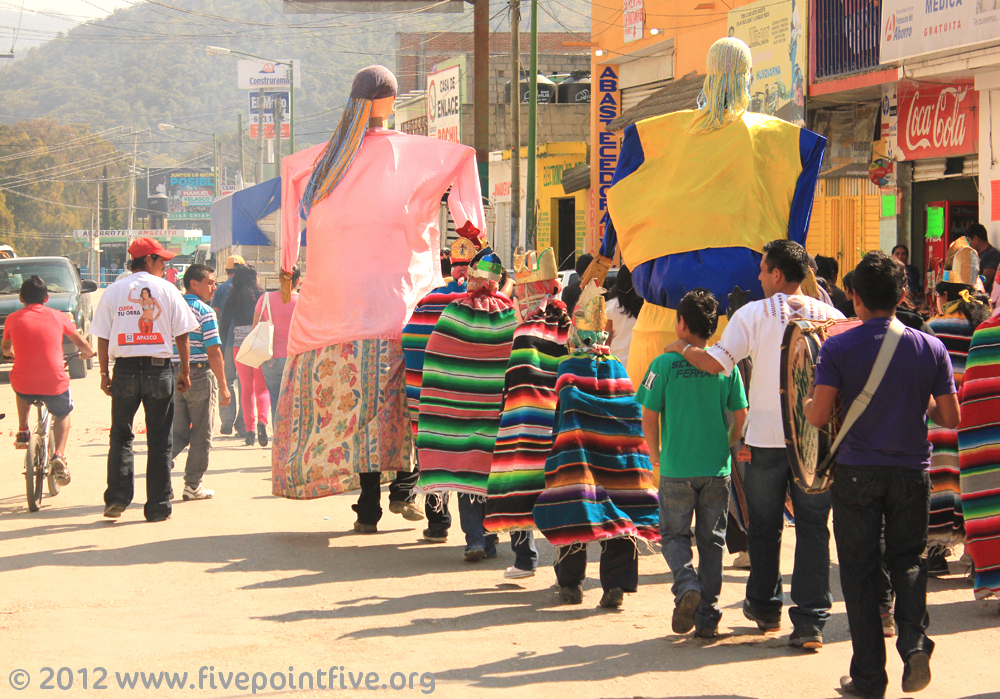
column 697, row 193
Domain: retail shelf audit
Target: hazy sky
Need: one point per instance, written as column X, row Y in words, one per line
column 81, row 8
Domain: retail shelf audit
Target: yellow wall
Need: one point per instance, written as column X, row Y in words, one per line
column 845, row 220
column 553, row 158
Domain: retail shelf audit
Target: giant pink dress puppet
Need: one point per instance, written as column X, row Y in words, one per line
column 371, row 200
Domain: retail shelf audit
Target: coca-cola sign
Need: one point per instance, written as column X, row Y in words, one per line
column 937, row 120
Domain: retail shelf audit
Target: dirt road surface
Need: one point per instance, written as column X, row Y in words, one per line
column 250, row 583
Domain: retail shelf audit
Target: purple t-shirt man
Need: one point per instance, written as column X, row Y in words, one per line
column 893, row 429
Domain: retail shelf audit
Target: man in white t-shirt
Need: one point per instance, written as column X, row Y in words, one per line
column 756, row 330
column 137, row 323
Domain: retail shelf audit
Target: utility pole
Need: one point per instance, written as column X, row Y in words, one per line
column 239, row 130
column 532, row 216
column 131, row 194
column 277, row 109
column 515, row 127
column 216, row 160
column 291, row 109
column 481, row 87
column 260, row 136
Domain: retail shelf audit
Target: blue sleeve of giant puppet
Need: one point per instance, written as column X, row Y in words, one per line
column 629, row 160
column 811, row 148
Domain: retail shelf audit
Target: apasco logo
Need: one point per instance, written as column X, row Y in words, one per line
column 267, row 68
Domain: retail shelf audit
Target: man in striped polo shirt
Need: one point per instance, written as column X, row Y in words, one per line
column 195, row 410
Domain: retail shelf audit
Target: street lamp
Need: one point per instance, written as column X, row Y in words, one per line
column 215, row 150
column 222, row 51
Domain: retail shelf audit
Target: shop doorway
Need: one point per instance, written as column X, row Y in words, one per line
column 566, row 233
column 952, row 189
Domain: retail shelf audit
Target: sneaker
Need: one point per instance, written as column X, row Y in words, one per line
column 436, row 536
column 683, row 619
column 742, row 560
column 474, row 555
column 59, row 471
column 21, row 440
column 765, row 622
column 571, row 595
column 199, row 493
column 159, row 518
column 261, row 434
column 365, row 528
column 613, row 598
column 707, row 632
column 916, row 672
column 810, row 639
column 249, row 439
column 226, row 430
column 888, row 623
column 513, row 573
column 489, row 554
column 847, row 687
column 114, row 510
column 409, row 511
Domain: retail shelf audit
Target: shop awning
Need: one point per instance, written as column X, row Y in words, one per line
column 680, row 94
column 236, row 218
column 576, row 178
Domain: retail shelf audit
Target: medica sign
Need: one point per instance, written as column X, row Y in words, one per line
column 936, row 121
column 916, row 27
column 444, row 105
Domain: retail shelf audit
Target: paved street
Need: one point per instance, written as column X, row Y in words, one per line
column 251, row 583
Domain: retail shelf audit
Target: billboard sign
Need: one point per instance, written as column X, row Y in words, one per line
column 189, row 191
column 253, row 74
column 444, row 104
column 936, row 121
column 633, row 14
column 916, row 27
column 773, row 31
column 269, row 102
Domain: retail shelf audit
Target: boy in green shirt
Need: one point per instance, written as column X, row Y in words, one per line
column 684, row 421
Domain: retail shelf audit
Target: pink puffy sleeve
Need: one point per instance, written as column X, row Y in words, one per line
column 465, row 199
column 295, row 172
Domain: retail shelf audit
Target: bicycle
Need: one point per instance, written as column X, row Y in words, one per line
column 41, row 445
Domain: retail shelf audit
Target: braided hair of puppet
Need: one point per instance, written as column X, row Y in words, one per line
column 370, row 84
column 726, row 93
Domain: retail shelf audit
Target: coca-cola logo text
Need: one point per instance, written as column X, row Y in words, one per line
column 940, row 124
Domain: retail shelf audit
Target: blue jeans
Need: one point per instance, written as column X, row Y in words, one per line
column 708, row 500
column 767, row 480
column 231, row 415
column 863, row 498
column 137, row 381
column 272, row 370
column 472, row 514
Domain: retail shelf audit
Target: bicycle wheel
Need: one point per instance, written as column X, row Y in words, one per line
column 34, row 472
column 50, row 476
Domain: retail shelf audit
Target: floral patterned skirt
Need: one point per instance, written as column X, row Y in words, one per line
column 341, row 412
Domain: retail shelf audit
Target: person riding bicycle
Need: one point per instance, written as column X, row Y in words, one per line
column 33, row 336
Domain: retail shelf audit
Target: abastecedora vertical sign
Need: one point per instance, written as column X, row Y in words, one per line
column 936, row 120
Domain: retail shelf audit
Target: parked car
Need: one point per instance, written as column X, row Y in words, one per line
column 67, row 293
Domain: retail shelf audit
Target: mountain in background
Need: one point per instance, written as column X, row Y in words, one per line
column 146, row 64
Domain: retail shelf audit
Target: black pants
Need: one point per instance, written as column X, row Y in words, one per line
column 862, row 497
column 137, row 381
column 400, row 490
column 619, row 565
column 736, row 538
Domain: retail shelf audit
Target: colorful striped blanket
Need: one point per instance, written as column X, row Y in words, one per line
column 462, row 393
column 598, row 479
column 947, row 525
column 415, row 335
column 525, row 436
column 979, row 457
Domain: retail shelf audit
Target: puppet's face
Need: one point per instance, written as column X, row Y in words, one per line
column 530, row 297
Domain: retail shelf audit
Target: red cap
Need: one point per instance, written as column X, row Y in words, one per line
column 141, row 247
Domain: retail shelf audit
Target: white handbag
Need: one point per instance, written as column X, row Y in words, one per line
column 257, row 347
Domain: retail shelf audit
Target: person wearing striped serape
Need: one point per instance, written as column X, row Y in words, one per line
column 599, row 483
column 524, row 440
column 461, row 398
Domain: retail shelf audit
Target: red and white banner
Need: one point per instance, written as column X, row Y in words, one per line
column 937, row 120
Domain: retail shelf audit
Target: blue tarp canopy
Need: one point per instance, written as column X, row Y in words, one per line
column 235, row 218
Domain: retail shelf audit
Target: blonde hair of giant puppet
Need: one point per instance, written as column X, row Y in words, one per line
column 654, row 329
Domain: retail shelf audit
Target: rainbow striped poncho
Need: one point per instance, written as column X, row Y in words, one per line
column 979, row 456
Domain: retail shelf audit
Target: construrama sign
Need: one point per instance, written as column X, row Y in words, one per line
column 936, row 121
